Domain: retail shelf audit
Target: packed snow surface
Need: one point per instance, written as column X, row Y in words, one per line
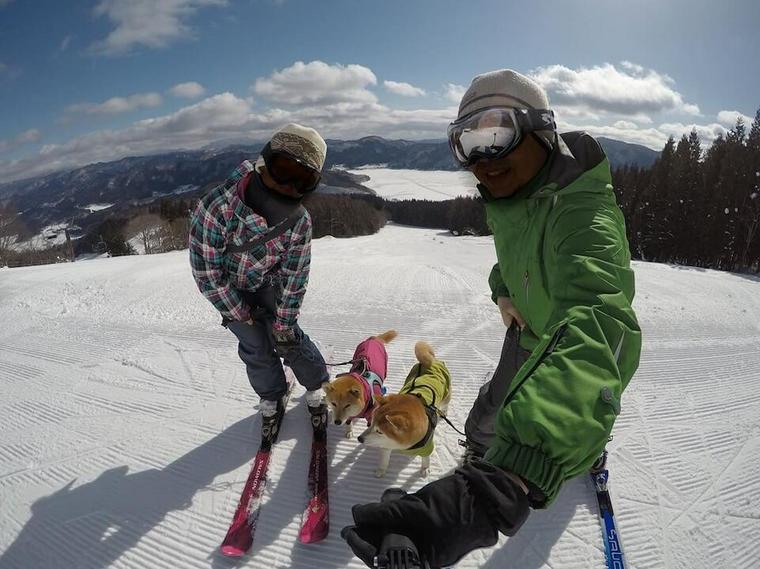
column 128, row 425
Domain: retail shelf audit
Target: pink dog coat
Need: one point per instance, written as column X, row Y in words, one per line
column 370, row 368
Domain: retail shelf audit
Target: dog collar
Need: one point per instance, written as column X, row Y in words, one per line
column 432, row 415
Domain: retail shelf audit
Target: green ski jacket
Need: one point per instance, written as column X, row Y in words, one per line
column 563, row 260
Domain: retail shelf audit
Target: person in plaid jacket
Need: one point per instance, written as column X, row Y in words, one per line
column 250, row 251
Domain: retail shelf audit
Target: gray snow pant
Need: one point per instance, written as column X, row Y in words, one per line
column 479, row 427
column 256, row 349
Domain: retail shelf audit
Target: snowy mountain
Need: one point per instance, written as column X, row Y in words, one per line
column 128, row 422
column 66, row 196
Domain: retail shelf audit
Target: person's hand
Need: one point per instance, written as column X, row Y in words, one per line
column 226, row 322
column 445, row 519
column 509, row 313
column 284, row 341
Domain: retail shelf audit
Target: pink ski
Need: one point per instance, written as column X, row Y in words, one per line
column 239, row 536
column 315, row 523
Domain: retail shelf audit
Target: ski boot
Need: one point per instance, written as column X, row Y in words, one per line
column 271, row 417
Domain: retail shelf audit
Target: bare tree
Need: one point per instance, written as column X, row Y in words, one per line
column 11, row 229
column 148, row 227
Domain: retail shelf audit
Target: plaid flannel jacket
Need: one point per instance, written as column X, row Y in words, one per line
column 221, row 218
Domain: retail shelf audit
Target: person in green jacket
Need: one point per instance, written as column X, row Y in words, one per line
column 564, row 287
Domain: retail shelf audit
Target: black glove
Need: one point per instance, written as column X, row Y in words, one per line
column 446, row 519
column 284, row 341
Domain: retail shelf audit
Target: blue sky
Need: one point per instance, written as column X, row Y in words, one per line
column 93, row 80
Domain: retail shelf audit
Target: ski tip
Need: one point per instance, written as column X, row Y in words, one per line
column 316, row 527
column 313, row 536
column 231, row 551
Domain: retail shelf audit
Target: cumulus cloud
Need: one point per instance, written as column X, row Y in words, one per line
column 403, row 89
column 317, row 82
column 147, row 23
column 336, row 100
column 31, row 135
column 729, row 118
column 625, row 125
column 213, row 118
column 631, row 90
column 228, row 116
column 189, row 90
column 707, row 132
column 454, row 92
column 116, row 105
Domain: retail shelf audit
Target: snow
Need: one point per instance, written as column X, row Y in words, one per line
column 49, row 236
column 435, row 185
column 128, row 422
column 93, row 207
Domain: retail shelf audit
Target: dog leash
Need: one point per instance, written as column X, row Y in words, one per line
column 352, row 362
column 445, row 418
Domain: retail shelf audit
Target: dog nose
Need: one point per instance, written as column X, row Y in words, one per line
column 360, row 438
column 337, row 421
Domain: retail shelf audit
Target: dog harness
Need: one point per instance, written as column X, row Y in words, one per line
column 370, row 368
column 430, row 385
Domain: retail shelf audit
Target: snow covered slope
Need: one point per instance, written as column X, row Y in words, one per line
column 127, row 423
column 435, row 185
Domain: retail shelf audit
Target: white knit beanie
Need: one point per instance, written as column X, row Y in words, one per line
column 505, row 88
column 301, row 142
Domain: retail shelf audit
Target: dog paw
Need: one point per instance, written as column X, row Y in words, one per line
column 380, row 472
column 424, row 472
column 349, row 433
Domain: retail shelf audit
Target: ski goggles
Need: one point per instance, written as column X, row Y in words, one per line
column 488, row 134
column 286, row 169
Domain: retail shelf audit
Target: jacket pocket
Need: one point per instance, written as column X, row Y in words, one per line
column 545, row 349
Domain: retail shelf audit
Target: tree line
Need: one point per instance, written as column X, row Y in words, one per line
column 695, row 207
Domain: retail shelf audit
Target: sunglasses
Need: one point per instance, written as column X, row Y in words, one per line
column 288, row 170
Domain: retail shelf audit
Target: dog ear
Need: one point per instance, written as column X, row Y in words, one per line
column 327, row 387
column 398, row 422
column 355, row 392
column 379, row 400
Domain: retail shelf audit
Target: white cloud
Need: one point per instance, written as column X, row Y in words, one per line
column 728, row 118
column 65, row 43
column 337, row 101
column 31, row 135
column 403, row 89
column 213, row 118
column 148, row 23
column 228, row 116
column 651, row 137
column 625, row 125
column 707, row 132
column 189, row 90
column 632, row 90
column 116, row 105
column 317, row 82
column 454, row 92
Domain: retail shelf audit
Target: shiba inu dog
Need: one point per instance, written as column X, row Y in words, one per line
column 406, row 421
column 351, row 395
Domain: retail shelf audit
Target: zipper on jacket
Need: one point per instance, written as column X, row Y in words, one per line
column 550, row 347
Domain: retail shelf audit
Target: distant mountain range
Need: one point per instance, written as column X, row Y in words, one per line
column 84, row 192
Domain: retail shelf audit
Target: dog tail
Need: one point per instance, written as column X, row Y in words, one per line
column 424, row 353
column 386, row 337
